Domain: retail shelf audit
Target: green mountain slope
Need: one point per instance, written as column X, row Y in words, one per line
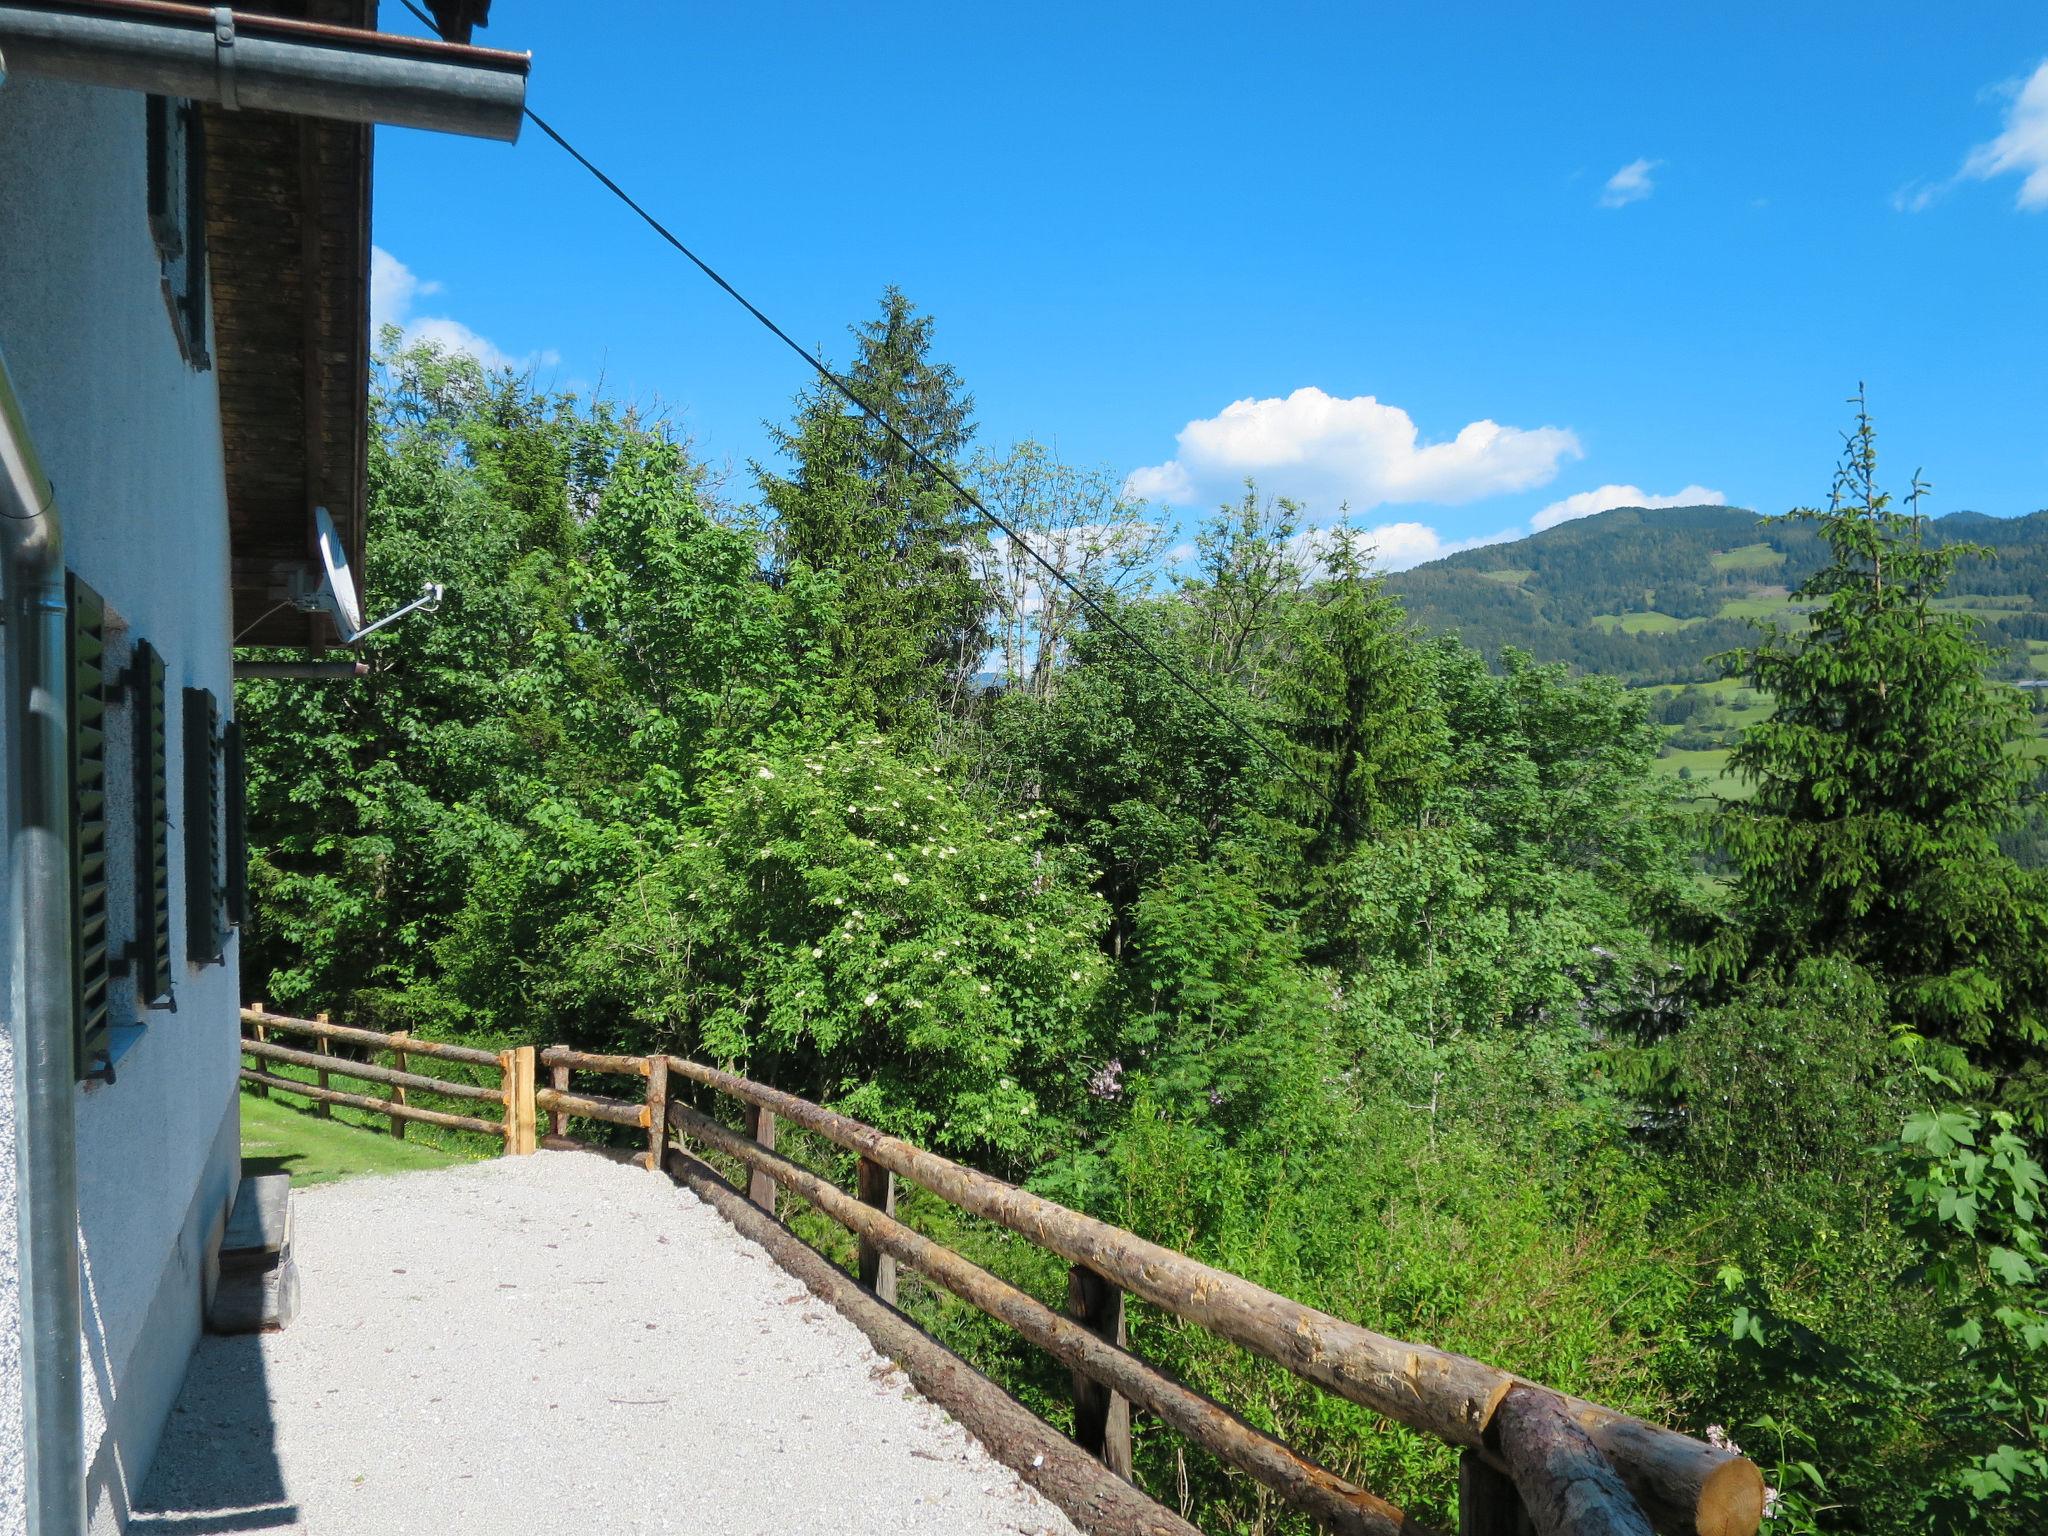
column 1651, row 595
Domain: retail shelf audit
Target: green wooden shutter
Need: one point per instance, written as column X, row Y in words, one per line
column 150, row 950
column 238, row 825
column 205, row 930
column 90, row 971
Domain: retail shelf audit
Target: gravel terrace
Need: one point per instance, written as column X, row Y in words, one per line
column 559, row 1342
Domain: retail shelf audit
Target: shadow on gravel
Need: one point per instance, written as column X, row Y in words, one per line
column 216, row 1468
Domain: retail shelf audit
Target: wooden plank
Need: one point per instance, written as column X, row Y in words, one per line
column 262, row 1035
column 325, row 1047
column 761, row 1131
column 1686, row 1485
column 440, row 1050
column 521, row 1132
column 877, row 1270
column 657, row 1112
column 590, row 1107
column 558, row 1079
column 1567, row 1486
column 369, row 1072
column 1487, row 1502
column 1102, row 1418
column 1095, row 1498
column 398, row 1093
column 1334, row 1503
column 373, row 1106
column 589, row 1061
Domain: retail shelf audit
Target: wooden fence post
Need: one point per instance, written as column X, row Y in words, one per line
column 1487, row 1502
column 326, row 1048
column 256, row 1032
column 657, row 1110
column 558, row 1079
column 516, row 1068
column 876, row 1186
column 761, row 1128
column 1102, row 1418
column 398, row 1039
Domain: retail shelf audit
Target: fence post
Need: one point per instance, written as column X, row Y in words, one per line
column 398, row 1059
column 256, row 1032
column 657, row 1110
column 876, row 1186
column 326, row 1048
column 1487, row 1502
column 558, row 1079
column 761, row 1129
column 1102, row 1418
column 516, row 1069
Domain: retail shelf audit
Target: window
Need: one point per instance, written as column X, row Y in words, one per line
column 86, row 657
column 206, row 932
column 149, row 952
column 177, row 217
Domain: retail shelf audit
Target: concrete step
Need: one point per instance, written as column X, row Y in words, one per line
column 257, row 1284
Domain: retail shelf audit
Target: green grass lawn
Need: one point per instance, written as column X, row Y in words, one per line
column 1652, row 623
column 1759, row 608
column 280, row 1137
column 1512, row 577
column 1710, row 778
column 1750, row 557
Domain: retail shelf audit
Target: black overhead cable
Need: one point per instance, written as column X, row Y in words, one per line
column 1088, row 601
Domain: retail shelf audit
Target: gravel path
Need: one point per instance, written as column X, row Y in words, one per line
column 557, row 1342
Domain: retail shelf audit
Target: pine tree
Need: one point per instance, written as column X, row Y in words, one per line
column 861, row 506
column 1882, row 782
column 1362, row 696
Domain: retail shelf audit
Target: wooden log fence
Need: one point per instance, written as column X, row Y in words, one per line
column 1678, row 1485
column 1531, row 1460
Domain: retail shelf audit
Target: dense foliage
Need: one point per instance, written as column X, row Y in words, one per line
column 1380, row 970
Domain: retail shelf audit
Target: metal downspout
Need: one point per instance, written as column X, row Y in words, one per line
column 39, row 1015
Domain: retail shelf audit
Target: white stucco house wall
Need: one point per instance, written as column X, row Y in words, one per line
column 128, row 430
column 184, row 349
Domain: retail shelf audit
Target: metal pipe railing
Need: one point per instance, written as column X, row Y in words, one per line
column 39, row 1015
column 218, row 54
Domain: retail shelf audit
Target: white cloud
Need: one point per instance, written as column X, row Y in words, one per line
column 395, row 288
column 2022, row 148
column 1631, row 184
column 1326, row 450
column 1608, row 497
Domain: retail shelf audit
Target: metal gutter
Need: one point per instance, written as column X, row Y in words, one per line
column 242, row 60
column 37, row 707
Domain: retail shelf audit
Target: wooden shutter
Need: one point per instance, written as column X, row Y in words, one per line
column 205, row 930
column 149, row 951
column 237, row 825
column 87, row 638
column 177, row 218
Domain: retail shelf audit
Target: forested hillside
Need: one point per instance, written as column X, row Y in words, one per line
column 1651, row 596
column 1369, row 964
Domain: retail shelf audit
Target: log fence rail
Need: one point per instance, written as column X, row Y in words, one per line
column 1531, row 1459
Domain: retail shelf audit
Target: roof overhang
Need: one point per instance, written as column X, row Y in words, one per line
column 291, row 95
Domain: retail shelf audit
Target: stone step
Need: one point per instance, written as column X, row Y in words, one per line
column 259, row 1229
column 256, row 1289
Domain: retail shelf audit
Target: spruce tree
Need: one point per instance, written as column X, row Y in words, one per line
column 1881, row 784
column 860, row 505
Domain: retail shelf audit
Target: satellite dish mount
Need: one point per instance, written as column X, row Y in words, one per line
column 336, row 596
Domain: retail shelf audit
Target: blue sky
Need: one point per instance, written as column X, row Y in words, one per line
column 1462, row 266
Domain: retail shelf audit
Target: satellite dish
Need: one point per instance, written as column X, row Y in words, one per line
column 336, row 593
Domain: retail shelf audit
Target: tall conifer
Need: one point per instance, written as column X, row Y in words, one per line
column 1881, row 784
